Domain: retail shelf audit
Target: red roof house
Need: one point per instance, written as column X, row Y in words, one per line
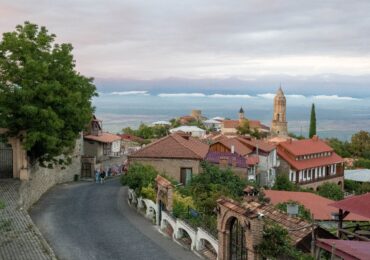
column 310, row 162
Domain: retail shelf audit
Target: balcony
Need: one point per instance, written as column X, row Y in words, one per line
column 323, row 178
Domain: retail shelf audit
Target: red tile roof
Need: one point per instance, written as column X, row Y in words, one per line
column 356, row 204
column 239, row 147
column 261, row 144
column 346, row 249
column 309, row 163
column 130, row 137
column 174, row 146
column 319, row 206
column 306, row 146
column 103, row 138
column 253, row 159
column 163, row 181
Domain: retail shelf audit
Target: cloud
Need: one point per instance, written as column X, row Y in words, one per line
column 267, row 95
column 181, row 95
column 334, row 97
column 229, row 96
column 133, row 92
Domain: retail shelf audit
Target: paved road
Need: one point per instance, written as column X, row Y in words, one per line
column 93, row 221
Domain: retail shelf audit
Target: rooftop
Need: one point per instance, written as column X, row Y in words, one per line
column 306, row 146
column 346, row 249
column 360, row 175
column 103, row 138
column 186, row 129
column 356, row 204
column 176, row 145
column 319, row 206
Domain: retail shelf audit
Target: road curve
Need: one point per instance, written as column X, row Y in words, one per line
column 92, row 221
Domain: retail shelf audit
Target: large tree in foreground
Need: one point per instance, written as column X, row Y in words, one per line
column 312, row 122
column 41, row 93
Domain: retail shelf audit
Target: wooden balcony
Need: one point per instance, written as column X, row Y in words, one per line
column 323, row 178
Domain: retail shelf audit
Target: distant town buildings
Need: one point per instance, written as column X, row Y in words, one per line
column 191, row 130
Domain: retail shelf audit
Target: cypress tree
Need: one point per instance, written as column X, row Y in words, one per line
column 312, row 122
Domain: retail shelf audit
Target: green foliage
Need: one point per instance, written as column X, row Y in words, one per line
column 2, row 204
column 211, row 184
column 312, row 131
column 276, row 244
column 42, row 94
column 331, row 191
column 342, row 148
column 356, row 187
column 147, row 132
column 244, row 127
column 175, row 122
column 302, row 211
column 149, row 192
column 298, row 137
column 360, row 143
column 181, row 205
column 139, row 176
column 362, row 163
column 282, row 182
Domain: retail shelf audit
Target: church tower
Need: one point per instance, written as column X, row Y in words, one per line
column 279, row 124
column 241, row 114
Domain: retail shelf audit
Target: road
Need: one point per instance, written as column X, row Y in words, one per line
column 93, row 221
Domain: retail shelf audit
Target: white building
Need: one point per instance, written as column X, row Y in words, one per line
column 192, row 130
column 212, row 123
column 161, row 123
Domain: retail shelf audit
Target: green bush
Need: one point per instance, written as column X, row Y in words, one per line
column 331, row 191
column 282, row 182
column 149, row 192
column 362, row 163
column 139, row 176
column 2, row 204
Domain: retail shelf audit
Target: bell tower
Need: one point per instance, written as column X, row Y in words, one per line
column 241, row 114
column 279, row 124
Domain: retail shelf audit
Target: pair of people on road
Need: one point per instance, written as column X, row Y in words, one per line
column 100, row 176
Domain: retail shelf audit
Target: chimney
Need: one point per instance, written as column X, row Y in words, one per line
column 232, row 149
column 315, row 138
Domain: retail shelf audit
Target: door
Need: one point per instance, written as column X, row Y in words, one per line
column 86, row 171
column 186, row 175
column 6, row 161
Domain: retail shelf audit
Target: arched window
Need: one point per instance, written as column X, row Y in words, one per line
column 237, row 247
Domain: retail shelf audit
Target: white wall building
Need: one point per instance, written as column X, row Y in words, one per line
column 192, row 130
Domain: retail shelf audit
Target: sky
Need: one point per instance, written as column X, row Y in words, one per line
column 123, row 41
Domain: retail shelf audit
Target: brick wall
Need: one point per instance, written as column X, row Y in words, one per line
column 42, row 179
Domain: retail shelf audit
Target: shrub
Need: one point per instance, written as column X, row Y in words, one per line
column 139, row 176
column 149, row 192
column 2, row 205
column 331, row 191
column 282, row 182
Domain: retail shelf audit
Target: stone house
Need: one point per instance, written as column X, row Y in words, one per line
column 101, row 149
column 310, row 163
column 178, row 155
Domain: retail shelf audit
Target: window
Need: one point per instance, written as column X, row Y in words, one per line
column 237, row 247
column 186, row 175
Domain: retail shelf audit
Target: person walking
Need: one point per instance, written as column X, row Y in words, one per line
column 102, row 177
column 97, row 176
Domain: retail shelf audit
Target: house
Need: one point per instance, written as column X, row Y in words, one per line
column 213, row 124
column 130, row 143
column 230, row 126
column 257, row 152
column 101, row 149
column 239, row 164
column 310, row 162
column 178, row 155
column 192, row 130
column 318, row 206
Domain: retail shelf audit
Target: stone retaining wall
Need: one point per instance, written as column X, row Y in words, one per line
column 41, row 179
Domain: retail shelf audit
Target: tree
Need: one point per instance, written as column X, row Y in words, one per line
column 340, row 147
column 331, row 191
column 312, row 122
column 139, row 176
column 282, row 182
column 42, row 96
column 360, row 143
column 244, row 127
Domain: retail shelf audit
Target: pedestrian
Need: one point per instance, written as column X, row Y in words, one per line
column 97, row 176
column 102, row 176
